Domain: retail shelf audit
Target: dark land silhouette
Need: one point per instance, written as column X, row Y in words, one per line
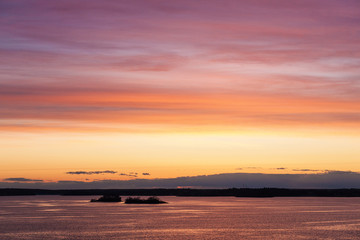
column 107, row 198
column 236, row 192
column 137, row 200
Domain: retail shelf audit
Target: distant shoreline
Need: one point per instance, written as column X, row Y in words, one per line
column 187, row 192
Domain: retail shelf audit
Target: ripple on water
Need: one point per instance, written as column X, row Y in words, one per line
column 183, row 218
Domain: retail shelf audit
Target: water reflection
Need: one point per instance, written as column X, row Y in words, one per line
column 70, row 217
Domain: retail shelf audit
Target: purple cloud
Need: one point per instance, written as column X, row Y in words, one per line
column 22, row 180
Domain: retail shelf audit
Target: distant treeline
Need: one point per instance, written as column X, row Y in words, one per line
column 236, row 192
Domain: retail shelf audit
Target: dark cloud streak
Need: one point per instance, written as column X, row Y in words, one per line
column 308, row 170
column 131, row 174
column 22, row 180
column 91, row 172
column 330, row 179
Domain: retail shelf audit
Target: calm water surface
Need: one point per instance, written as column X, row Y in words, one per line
column 74, row 217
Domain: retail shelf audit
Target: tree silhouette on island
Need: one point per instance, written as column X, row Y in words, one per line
column 129, row 200
column 107, row 198
column 137, row 200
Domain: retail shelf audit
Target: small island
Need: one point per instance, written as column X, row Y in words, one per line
column 107, row 198
column 137, row 200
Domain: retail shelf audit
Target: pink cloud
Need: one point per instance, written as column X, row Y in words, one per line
column 162, row 60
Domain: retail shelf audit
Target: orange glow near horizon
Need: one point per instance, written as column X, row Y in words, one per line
column 171, row 155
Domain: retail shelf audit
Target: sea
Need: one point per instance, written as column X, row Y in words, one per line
column 75, row 217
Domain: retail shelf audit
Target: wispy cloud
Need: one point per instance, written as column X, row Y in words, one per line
column 21, row 180
column 91, row 172
column 130, row 174
column 330, row 179
column 154, row 63
column 340, row 172
column 307, row 170
column 254, row 168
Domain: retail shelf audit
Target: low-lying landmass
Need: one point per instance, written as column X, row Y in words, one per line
column 137, row 200
column 236, row 192
column 107, row 198
column 129, row 200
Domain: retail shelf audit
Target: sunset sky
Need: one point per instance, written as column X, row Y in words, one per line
column 120, row 91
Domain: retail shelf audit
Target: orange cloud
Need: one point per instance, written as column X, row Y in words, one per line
column 189, row 64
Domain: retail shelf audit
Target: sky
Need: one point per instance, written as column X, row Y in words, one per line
column 146, row 92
